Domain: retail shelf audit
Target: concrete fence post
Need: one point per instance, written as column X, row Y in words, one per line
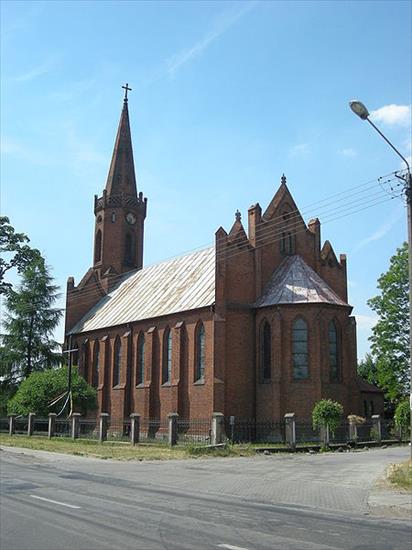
column 172, row 439
column 75, row 425
column 324, row 435
column 353, row 431
column 103, row 425
column 12, row 424
column 52, row 425
column 377, row 427
column 30, row 425
column 134, row 428
column 290, row 430
column 218, row 429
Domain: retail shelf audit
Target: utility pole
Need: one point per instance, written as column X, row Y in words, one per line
column 362, row 112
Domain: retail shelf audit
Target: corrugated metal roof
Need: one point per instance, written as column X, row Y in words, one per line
column 294, row 282
column 180, row 284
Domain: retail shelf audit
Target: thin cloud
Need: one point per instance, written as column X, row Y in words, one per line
column 225, row 21
column 379, row 233
column 36, row 72
column 366, row 322
column 300, row 150
column 394, row 115
column 12, row 148
column 349, row 152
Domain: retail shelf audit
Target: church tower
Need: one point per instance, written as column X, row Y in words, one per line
column 120, row 212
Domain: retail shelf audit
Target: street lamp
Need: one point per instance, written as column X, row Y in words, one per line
column 362, row 112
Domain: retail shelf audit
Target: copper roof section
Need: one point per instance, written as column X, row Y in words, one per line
column 180, row 284
column 294, row 282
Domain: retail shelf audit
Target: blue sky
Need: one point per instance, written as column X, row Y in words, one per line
column 226, row 97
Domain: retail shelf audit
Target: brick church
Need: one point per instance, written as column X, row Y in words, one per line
column 255, row 326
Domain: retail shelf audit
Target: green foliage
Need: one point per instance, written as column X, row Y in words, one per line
column 326, row 413
column 29, row 322
column 390, row 335
column 40, row 388
column 13, row 252
column 403, row 415
column 367, row 370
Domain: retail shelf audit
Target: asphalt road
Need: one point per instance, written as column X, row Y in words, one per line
column 54, row 502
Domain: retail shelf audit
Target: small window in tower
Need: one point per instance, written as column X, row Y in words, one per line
column 98, row 247
column 113, row 217
column 128, row 249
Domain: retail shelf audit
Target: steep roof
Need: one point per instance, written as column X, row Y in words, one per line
column 121, row 177
column 180, row 284
column 365, row 387
column 294, row 282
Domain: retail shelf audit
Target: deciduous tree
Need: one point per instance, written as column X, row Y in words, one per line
column 390, row 336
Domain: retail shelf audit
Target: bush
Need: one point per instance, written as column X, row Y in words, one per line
column 403, row 416
column 326, row 413
column 40, row 388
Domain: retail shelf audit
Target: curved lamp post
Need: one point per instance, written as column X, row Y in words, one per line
column 362, row 112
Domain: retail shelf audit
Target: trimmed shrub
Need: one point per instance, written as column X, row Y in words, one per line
column 327, row 413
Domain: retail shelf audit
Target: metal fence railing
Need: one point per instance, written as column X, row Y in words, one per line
column 194, row 431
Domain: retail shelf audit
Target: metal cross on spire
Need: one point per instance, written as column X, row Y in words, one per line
column 126, row 89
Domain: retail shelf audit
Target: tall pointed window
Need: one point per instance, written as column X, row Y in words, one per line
column 117, row 361
column 98, row 247
column 95, row 373
column 128, row 249
column 200, row 353
column 140, row 360
column 287, row 241
column 266, row 351
column 86, row 360
column 334, row 367
column 300, row 349
column 167, row 356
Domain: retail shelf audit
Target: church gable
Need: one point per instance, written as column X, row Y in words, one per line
column 283, row 206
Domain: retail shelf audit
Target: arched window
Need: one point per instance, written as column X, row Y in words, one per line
column 95, row 375
column 140, row 360
column 86, row 360
column 200, row 353
column 128, row 249
column 167, row 356
column 98, row 247
column 300, row 349
column 266, row 351
column 117, row 361
column 333, row 353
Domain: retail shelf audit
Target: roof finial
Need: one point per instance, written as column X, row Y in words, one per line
column 238, row 216
column 283, row 179
column 126, row 89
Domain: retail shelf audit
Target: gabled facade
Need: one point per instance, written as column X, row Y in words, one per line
column 255, row 327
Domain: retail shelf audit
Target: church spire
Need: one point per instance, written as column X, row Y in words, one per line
column 121, row 178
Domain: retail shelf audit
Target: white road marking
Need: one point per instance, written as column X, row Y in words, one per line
column 231, row 547
column 56, row 502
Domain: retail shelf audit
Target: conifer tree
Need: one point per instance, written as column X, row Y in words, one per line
column 27, row 345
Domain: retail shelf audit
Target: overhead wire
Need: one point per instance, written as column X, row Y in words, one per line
column 295, row 216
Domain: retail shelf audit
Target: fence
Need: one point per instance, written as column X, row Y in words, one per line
column 174, row 430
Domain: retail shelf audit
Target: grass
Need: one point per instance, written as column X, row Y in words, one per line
column 121, row 451
column 400, row 475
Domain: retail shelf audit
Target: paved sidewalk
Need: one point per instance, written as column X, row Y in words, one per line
column 341, row 482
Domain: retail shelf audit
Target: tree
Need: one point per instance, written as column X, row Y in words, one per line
column 367, row 369
column 403, row 416
column 27, row 345
column 13, row 252
column 390, row 335
column 326, row 413
column 41, row 388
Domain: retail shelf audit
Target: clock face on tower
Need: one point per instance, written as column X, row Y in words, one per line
column 130, row 218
